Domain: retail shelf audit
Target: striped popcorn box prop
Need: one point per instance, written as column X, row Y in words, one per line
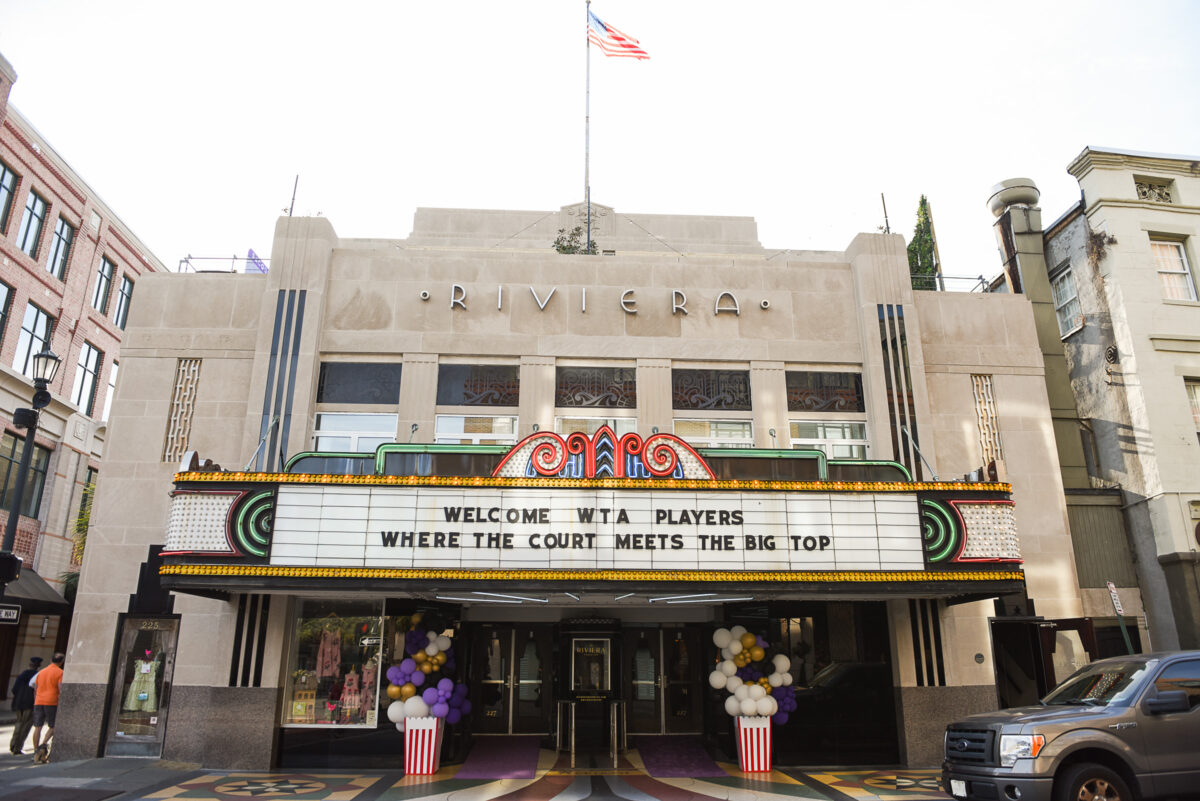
column 422, row 745
column 754, row 744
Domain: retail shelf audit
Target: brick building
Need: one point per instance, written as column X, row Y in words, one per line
column 68, row 270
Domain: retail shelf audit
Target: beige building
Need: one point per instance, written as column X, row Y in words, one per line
column 1118, row 271
column 813, row 400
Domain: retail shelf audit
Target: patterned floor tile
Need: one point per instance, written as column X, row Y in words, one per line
column 240, row 786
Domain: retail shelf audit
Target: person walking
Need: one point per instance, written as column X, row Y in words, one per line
column 45, row 705
column 22, row 704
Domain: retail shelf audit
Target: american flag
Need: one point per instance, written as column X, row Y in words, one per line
column 611, row 41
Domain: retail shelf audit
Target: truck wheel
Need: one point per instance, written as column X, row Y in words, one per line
column 1090, row 782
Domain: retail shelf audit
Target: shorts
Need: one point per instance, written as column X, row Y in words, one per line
column 44, row 715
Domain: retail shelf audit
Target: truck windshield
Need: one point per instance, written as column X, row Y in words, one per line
column 1100, row 684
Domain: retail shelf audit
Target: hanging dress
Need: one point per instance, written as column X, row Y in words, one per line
column 142, row 695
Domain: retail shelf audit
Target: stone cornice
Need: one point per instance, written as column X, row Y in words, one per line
column 1091, row 159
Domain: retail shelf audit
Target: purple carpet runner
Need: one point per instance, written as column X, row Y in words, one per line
column 502, row 757
column 675, row 757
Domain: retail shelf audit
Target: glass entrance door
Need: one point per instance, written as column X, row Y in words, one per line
column 511, row 663
column 643, row 665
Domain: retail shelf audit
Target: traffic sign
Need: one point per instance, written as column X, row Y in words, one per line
column 10, row 614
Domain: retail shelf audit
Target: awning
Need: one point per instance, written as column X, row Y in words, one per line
column 35, row 596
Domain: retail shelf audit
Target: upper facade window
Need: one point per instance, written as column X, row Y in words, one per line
column 112, row 391
column 6, row 293
column 841, row 440
column 457, row 429
column 124, row 298
column 353, row 433
column 711, row 389
column 60, row 248
column 86, row 373
column 10, row 458
column 104, row 277
column 1193, row 391
column 8, row 188
column 716, row 433
column 478, row 385
column 1173, row 271
column 34, row 338
column 590, row 425
column 31, row 225
column 596, row 387
column 1066, row 302
column 824, row 392
column 359, row 383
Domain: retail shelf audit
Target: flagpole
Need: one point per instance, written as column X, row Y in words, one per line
column 587, row 133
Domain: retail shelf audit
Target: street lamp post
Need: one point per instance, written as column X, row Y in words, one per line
column 45, row 367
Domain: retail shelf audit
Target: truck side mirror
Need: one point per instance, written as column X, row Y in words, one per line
column 1168, row 701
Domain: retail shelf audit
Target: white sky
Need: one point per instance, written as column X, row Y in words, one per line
column 192, row 123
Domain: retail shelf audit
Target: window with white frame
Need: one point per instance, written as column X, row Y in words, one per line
column 837, row 440
column 464, row 429
column 86, row 373
column 352, row 432
column 1193, row 391
column 590, row 425
column 112, row 391
column 33, row 339
column 1173, row 271
column 716, row 433
column 1066, row 302
column 30, row 231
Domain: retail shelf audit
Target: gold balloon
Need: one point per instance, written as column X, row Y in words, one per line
column 419, row 657
column 406, row 690
column 393, row 691
column 426, row 667
column 757, row 653
column 440, row 658
column 748, row 640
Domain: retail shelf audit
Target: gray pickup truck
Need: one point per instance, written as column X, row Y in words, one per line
column 1120, row 729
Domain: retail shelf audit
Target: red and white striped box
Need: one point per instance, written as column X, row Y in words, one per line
column 754, row 744
column 422, row 745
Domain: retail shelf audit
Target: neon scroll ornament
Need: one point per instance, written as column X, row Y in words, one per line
column 603, row 455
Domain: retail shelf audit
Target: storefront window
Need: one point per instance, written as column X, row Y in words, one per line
column 142, row 686
column 333, row 673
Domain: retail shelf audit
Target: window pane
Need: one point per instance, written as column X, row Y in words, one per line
column 353, row 433
column 8, row 185
column 711, row 389
column 602, row 387
column 86, row 372
column 716, row 433
column 590, row 425
column 478, row 385
column 359, row 382
column 33, row 339
column 104, row 276
column 824, row 392
column 10, row 456
column 31, row 225
column 112, row 391
column 1193, row 390
column 838, row 440
column 333, row 674
column 377, row 423
column 60, row 248
column 1176, row 286
column 472, row 430
column 1173, row 271
column 124, row 298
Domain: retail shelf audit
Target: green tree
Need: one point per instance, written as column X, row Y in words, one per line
column 70, row 578
column 572, row 242
column 922, row 265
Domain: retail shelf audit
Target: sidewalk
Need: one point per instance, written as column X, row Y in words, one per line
column 158, row 780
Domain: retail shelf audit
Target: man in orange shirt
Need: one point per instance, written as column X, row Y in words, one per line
column 45, row 705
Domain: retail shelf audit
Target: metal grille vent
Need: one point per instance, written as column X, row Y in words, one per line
column 970, row 746
column 183, row 405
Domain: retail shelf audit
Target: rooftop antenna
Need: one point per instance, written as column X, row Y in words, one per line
column 295, row 184
column 887, row 227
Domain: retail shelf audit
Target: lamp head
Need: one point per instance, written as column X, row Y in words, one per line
column 45, row 366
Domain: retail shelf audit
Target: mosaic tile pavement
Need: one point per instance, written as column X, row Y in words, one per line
column 555, row 780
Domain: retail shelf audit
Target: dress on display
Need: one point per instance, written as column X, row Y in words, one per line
column 351, row 698
column 329, row 654
column 142, row 695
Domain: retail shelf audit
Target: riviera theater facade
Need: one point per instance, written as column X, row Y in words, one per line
column 569, row 471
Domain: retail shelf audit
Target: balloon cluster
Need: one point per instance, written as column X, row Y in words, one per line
column 430, row 656
column 758, row 688
column 786, row 698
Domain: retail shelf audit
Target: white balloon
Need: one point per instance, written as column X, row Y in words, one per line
column 735, row 647
column 774, row 704
column 400, row 726
column 733, row 683
column 721, row 637
column 782, row 663
column 431, row 649
column 776, row 679
column 726, row 653
column 787, row 679
column 432, row 636
column 733, row 706
column 416, row 707
column 756, row 692
column 727, row 667
column 737, row 632
column 749, row 707
column 763, row 706
column 395, row 712
column 717, row 679
column 443, row 643
column 742, row 692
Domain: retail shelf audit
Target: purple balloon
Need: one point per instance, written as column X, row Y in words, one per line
column 408, row 665
column 446, row 684
column 418, row 679
column 440, row 710
column 780, row 718
column 760, row 642
column 455, row 701
column 466, row 707
column 460, row 690
column 430, row 696
column 453, row 716
column 395, row 675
